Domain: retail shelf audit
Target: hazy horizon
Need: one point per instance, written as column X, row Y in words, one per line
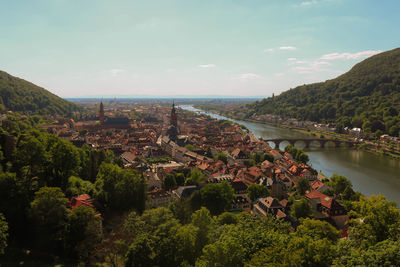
column 179, row 47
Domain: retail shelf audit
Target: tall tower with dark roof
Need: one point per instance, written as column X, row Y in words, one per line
column 172, row 131
column 101, row 115
column 174, row 119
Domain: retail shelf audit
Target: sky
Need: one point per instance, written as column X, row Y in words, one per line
column 77, row 48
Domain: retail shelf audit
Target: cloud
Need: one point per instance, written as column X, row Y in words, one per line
column 248, row 76
column 321, row 63
column 269, row 50
column 358, row 55
column 290, row 48
column 291, row 59
column 207, row 66
column 307, row 3
column 279, row 74
column 311, row 67
column 116, row 72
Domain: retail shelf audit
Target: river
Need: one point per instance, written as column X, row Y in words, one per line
column 369, row 173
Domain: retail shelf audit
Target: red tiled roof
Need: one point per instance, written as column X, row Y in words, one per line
column 280, row 214
column 317, row 184
column 80, row 200
column 325, row 200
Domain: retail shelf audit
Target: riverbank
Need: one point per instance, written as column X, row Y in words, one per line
column 369, row 173
column 371, row 147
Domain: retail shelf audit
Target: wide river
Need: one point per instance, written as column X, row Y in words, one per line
column 369, row 173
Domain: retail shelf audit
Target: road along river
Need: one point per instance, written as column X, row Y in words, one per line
column 369, row 173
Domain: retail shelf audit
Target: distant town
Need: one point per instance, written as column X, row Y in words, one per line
column 159, row 140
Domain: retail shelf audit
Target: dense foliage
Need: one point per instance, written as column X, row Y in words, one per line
column 39, row 172
column 19, row 95
column 297, row 154
column 367, row 96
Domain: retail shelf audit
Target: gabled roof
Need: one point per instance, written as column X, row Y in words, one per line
column 317, row 184
column 270, row 202
column 326, row 201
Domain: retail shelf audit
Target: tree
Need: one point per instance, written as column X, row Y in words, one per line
column 208, row 152
column 221, row 156
column 76, row 186
column 317, row 230
column 169, row 182
column 49, row 213
column 64, row 162
column 305, row 251
column 297, row 154
column 302, row 186
column 227, row 252
column 302, row 157
column 269, row 157
column 257, row 157
column 217, row 197
column 31, row 153
column 13, row 201
column 227, row 218
column 190, row 147
column 141, row 252
column 204, row 222
column 155, row 217
column 180, row 179
column 120, row 189
column 255, row 191
column 3, row 233
column 186, row 237
column 374, row 219
column 385, row 253
column 195, row 177
column 78, row 229
column 300, row 209
column 339, row 184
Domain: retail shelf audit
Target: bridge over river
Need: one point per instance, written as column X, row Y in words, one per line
column 322, row 142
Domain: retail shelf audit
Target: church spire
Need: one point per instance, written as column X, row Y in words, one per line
column 101, row 115
column 174, row 119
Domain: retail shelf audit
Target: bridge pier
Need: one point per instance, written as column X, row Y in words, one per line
column 277, row 143
column 307, row 143
column 322, row 143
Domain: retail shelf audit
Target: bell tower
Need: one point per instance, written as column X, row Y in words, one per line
column 174, row 119
column 101, row 115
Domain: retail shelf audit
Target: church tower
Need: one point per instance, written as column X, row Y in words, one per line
column 174, row 119
column 101, row 115
column 172, row 131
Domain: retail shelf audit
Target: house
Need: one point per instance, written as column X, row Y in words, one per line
column 128, row 157
column 319, row 186
column 185, row 191
column 327, row 208
column 158, row 198
column 238, row 154
column 82, row 200
column 266, row 205
column 239, row 187
column 240, row 203
column 276, row 154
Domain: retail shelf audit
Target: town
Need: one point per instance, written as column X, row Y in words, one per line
column 164, row 142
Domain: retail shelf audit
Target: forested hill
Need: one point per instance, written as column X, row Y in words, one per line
column 367, row 96
column 19, row 95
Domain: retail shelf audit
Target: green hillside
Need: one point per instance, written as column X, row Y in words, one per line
column 367, row 96
column 19, row 95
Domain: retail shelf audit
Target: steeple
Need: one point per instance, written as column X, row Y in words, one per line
column 174, row 119
column 101, row 115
